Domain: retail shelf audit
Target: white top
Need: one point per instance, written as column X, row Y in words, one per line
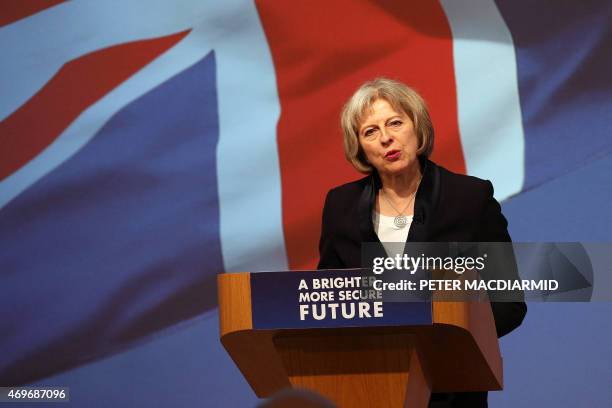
column 388, row 232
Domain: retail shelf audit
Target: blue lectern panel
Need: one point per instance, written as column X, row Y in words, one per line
column 328, row 298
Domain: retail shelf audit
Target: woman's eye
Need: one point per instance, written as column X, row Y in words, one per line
column 396, row 123
column 369, row 132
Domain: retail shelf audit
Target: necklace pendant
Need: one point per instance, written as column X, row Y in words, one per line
column 400, row 221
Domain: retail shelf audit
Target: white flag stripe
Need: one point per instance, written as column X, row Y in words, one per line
column 248, row 166
column 490, row 119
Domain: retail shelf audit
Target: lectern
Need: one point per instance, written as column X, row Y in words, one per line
column 303, row 329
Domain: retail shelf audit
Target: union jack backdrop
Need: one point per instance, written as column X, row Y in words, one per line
column 146, row 146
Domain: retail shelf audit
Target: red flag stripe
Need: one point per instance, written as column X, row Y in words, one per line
column 76, row 86
column 320, row 59
column 13, row 10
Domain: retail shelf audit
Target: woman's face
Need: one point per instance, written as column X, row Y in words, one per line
column 388, row 139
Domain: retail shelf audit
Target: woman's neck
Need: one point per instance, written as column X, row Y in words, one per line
column 402, row 185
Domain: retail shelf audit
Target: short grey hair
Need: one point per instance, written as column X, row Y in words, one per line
column 402, row 98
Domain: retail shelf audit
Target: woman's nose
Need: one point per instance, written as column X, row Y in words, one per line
column 385, row 137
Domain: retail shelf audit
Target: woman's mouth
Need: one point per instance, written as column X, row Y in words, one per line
column 393, row 155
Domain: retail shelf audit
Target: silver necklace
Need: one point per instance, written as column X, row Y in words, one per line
column 400, row 220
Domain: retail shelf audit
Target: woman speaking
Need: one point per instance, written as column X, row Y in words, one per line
column 405, row 197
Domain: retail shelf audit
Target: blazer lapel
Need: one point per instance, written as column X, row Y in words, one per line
column 425, row 203
column 366, row 205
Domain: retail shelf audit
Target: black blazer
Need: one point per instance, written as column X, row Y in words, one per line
column 448, row 207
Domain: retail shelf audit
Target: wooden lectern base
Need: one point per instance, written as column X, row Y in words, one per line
column 369, row 366
column 358, row 370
